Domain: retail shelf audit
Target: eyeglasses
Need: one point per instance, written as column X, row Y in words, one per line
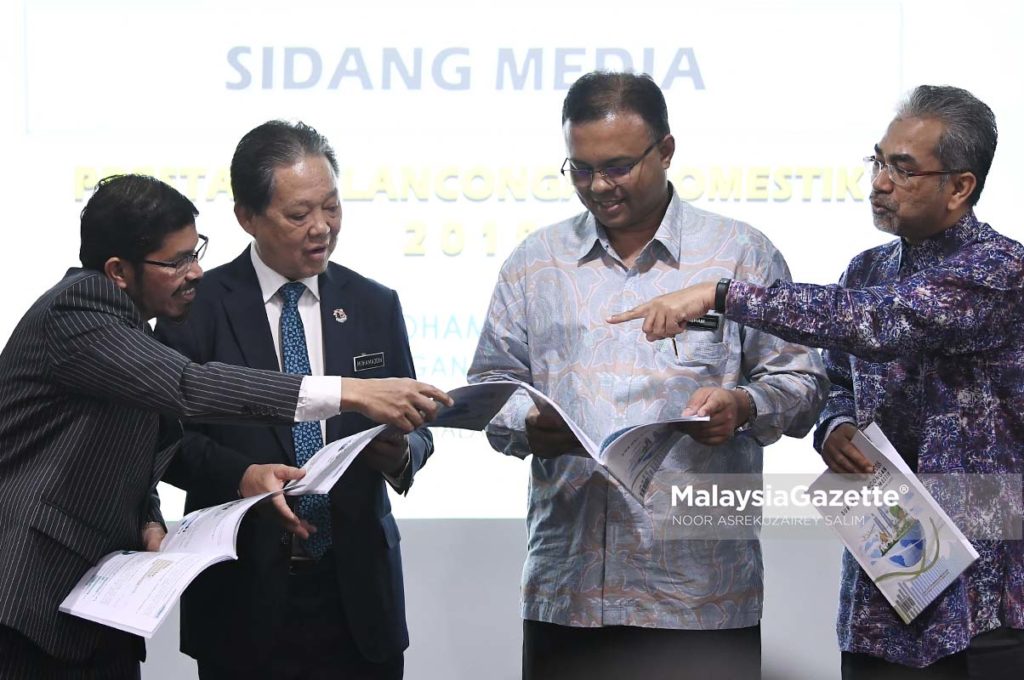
column 898, row 175
column 614, row 174
column 182, row 264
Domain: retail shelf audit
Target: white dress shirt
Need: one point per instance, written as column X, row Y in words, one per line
column 320, row 395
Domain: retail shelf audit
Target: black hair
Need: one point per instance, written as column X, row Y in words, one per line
column 128, row 216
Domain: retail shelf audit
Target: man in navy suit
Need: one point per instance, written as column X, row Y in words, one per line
column 287, row 607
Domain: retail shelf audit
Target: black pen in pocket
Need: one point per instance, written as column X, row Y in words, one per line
column 708, row 322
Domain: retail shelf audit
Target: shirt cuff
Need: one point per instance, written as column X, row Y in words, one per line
column 319, row 398
column 515, row 418
column 836, row 422
column 403, row 480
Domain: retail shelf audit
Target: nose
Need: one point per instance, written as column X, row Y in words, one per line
column 321, row 225
column 606, row 184
column 195, row 271
column 882, row 181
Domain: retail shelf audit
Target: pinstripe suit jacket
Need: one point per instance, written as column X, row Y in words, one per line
column 89, row 402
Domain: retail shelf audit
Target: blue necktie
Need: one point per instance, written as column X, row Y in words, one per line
column 306, row 436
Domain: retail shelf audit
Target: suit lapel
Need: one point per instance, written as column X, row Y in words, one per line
column 247, row 315
column 338, row 350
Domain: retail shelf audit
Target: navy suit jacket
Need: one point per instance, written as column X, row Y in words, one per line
column 233, row 611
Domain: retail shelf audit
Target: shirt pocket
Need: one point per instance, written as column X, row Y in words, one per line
column 701, row 352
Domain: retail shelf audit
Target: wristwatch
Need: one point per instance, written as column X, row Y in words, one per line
column 721, row 291
column 751, row 411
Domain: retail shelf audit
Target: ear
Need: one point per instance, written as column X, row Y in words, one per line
column 245, row 218
column 120, row 271
column 667, row 149
column 963, row 186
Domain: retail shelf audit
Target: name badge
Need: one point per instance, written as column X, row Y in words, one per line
column 366, row 362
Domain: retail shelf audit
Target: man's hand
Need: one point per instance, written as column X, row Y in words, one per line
column 548, row 435
column 152, row 535
column 259, row 479
column 728, row 409
column 403, row 403
column 388, row 453
column 666, row 315
column 841, row 455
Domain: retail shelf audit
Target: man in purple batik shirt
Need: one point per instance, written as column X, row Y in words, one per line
column 923, row 336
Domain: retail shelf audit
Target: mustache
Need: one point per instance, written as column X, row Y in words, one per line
column 876, row 200
column 186, row 288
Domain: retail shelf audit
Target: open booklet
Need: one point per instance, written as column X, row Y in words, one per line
column 135, row 591
column 910, row 548
column 632, row 455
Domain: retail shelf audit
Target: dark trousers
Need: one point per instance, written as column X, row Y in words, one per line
column 313, row 642
column 21, row 658
column 995, row 655
column 553, row 652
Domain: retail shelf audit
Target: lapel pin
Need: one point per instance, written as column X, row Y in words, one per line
column 340, row 316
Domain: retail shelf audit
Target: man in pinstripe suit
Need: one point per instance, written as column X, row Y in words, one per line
column 89, row 403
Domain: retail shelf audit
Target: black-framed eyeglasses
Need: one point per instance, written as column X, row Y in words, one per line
column 182, row 264
column 613, row 174
column 898, row 175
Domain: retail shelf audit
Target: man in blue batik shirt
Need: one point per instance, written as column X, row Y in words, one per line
column 923, row 337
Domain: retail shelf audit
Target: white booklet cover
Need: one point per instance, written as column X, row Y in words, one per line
column 135, row 591
column 910, row 549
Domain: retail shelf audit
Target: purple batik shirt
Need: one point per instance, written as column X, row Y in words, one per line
column 926, row 341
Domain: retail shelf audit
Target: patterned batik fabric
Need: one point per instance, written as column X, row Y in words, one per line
column 925, row 340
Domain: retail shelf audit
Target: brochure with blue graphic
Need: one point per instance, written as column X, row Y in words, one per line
column 907, row 544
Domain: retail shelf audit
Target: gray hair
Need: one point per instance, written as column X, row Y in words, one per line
column 969, row 141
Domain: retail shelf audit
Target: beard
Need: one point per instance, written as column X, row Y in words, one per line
column 884, row 216
column 886, row 223
column 185, row 306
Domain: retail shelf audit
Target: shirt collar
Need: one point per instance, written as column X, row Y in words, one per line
column 595, row 237
column 933, row 250
column 271, row 281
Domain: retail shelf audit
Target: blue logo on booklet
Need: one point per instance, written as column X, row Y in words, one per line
column 909, row 550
